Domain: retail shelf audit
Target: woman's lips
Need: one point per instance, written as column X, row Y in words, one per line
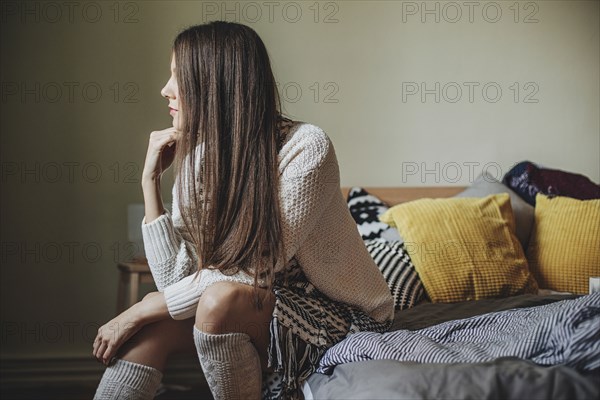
column 172, row 111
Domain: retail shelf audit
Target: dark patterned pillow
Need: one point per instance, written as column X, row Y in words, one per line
column 528, row 179
column 399, row 272
column 365, row 208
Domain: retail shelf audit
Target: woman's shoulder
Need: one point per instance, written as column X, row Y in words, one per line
column 306, row 148
column 304, row 135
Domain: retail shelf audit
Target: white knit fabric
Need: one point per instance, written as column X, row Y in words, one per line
column 318, row 230
column 128, row 380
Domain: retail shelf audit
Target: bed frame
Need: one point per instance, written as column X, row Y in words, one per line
column 401, row 194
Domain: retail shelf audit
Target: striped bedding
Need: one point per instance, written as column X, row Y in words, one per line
column 565, row 332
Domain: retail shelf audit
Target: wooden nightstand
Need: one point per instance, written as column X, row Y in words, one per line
column 131, row 274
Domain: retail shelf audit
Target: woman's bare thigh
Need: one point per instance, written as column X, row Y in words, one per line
column 154, row 343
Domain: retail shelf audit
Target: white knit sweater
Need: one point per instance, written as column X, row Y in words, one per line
column 318, row 230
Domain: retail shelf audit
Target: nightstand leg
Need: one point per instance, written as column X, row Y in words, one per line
column 121, row 292
column 134, row 287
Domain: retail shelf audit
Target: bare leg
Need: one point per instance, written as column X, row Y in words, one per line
column 137, row 370
column 154, row 343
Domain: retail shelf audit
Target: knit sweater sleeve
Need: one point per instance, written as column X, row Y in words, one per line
column 169, row 249
column 173, row 260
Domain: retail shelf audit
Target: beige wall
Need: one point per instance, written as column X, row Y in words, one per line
column 72, row 160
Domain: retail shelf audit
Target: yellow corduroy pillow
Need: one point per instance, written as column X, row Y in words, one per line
column 564, row 249
column 463, row 248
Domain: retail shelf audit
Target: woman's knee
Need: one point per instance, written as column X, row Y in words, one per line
column 229, row 307
column 217, row 306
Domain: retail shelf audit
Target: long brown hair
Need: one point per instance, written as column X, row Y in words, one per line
column 230, row 107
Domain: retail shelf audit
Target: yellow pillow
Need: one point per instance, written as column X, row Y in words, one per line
column 463, row 248
column 564, row 249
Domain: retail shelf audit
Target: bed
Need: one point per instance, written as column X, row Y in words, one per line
column 557, row 334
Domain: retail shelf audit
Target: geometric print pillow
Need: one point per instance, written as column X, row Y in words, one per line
column 399, row 272
column 365, row 208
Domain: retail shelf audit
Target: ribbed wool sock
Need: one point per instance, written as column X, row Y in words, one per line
column 231, row 365
column 126, row 380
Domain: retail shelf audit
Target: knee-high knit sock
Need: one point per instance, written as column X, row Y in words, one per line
column 231, row 365
column 128, row 380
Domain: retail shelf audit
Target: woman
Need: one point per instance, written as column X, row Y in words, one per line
column 260, row 267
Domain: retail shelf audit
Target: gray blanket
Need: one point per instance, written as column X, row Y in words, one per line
column 565, row 332
column 506, row 379
column 501, row 378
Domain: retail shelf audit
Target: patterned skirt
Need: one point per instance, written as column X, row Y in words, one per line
column 305, row 324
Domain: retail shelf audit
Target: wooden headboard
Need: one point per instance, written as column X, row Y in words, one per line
column 402, row 194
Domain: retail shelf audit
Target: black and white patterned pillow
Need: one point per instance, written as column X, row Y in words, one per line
column 399, row 272
column 365, row 208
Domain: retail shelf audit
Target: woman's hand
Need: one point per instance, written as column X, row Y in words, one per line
column 160, row 154
column 117, row 331
column 114, row 333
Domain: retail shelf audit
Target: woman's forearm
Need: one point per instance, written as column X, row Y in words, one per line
column 118, row 330
column 151, row 309
column 153, row 205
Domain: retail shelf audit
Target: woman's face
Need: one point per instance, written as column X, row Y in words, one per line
column 171, row 92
